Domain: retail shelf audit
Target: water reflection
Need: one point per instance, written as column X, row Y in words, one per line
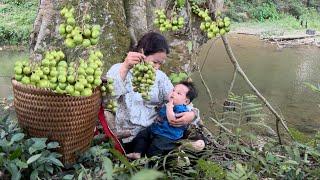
column 278, row 75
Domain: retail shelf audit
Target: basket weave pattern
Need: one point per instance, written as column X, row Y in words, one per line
column 66, row 119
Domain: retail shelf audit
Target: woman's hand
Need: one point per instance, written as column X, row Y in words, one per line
column 183, row 119
column 132, row 59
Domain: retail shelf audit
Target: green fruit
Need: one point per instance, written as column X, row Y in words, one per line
column 71, row 79
column 63, row 64
column 97, row 81
column 97, row 73
column 53, row 73
column 93, row 66
column 79, row 86
column 87, row 32
column 83, row 81
column 39, row 72
column 53, row 79
column 70, row 89
column 69, row 43
column 18, row 64
column 62, row 78
column 61, row 54
column 90, row 79
column 69, row 29
column 103, row 89
column 210, row 35
column 78, row 38
column 96, row 27
column 99, row 54
column 222, row 32
column 35, row 78
column 27, row 70
column 44, row 77
column 18, row 77
column 18, row 70
column 45, row 62
column 46, row 70
column 81, row 71
column 86, row 43
column 76, row 93
column 25, row 80
column 94, row 41
column 43, row 84
column 220, row 24
column 62, row 29
column 175, row 28
column 95, row 34
column 63, row 86
column 53, row 86
column 86, row 92
column 71, row 21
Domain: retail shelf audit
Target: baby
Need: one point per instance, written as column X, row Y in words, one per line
column 161, row 137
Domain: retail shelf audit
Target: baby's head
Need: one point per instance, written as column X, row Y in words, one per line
column 183, row 93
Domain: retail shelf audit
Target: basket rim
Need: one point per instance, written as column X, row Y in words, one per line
column 47, row 91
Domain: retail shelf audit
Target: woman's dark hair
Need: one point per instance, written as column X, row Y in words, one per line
column 193, row 92
column 151, row 43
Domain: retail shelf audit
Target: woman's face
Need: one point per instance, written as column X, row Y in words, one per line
column 158, row 59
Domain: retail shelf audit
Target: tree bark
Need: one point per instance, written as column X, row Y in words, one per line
column 114, row 40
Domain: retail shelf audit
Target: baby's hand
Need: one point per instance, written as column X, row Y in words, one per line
column 170, row 104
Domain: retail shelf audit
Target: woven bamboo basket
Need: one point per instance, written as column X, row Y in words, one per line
column 66, row 119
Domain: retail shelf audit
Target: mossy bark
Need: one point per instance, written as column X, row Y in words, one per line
column 114, row 40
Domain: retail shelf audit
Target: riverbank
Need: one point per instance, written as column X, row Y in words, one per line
column 283, row 33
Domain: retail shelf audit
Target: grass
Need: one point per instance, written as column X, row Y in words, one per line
column 286, row 24
column 16, row 21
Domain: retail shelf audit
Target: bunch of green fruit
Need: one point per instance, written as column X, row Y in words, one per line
column 213, row 28
column 63, row 78
column 166, row 24
column 74, row 34
column 175, row 78
column 112, row 105
column 108, row 88
column 38, row 75
column 144, row 76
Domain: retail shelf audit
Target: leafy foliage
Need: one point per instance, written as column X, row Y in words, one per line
column 16, row 21
column 265, row 11
column 23, row 157
column 242, row 112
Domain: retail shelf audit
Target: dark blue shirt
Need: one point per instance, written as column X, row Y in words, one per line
column 163, row 128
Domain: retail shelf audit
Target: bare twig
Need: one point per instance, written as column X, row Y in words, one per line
column 232, row 82
column 263, row 99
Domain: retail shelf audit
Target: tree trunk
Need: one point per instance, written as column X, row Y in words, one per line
column 114, row 40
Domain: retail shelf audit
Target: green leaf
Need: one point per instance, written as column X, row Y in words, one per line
column 49, row 168
column 52, row 145
column 68, row 177
column 108, row 169
column 55, row 161
column 123, row 159
column 21, row 164
column 15, row 154
column 39, row 144
column 34, row 175
column 15, row 173
column 17, row 137
column 33, row 158
column 147, row 174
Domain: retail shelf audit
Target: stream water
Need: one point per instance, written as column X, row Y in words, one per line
column 279, row 74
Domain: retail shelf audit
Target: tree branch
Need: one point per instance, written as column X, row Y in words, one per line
column 263, row 99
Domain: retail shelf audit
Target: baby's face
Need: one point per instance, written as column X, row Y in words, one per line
column 179, row 94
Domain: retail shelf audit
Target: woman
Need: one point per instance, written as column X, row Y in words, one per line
column 134, row 113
